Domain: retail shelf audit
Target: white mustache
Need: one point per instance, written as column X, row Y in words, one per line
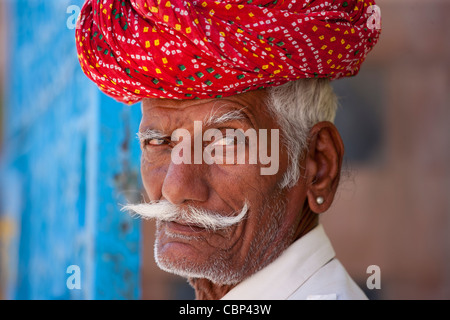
column 165, row 211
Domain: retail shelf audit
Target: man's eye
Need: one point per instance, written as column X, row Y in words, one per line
column 155, row 142
column 228, row 141
column 225, row 141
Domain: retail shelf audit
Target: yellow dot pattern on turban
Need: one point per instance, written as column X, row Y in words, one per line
column 177, row 49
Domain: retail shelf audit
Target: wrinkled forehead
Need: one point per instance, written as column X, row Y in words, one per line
column 249, row 106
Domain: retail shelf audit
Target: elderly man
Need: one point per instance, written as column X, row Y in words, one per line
column 239, row 151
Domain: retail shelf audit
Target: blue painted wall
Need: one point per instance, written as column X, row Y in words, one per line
column 69, row 159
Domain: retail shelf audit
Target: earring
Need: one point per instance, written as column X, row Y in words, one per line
column 319, row 200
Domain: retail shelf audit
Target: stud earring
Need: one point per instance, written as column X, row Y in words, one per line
column 319, row 200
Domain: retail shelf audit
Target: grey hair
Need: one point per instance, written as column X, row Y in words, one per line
column 298, row 106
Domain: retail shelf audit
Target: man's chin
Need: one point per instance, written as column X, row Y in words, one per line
column 182, row 258
column 192, row 271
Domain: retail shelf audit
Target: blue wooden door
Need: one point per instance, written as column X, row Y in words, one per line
column 69, row 159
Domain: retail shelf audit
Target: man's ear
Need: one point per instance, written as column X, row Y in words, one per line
column 323, row 165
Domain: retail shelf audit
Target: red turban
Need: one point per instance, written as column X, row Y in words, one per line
column 180, row 49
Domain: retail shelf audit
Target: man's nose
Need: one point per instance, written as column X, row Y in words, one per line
column 185, row 182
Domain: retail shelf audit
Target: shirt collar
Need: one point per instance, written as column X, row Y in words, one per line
column 289, row 271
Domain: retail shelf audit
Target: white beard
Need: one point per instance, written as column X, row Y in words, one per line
column 220, row 269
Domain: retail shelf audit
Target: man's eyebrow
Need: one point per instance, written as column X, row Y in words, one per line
column 149, row 134
column 215, row 119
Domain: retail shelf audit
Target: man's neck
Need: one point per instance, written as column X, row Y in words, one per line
column 206, row 290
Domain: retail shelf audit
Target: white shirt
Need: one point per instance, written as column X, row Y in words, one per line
column 307, row 270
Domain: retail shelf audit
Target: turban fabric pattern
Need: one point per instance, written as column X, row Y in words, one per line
column 176, row 49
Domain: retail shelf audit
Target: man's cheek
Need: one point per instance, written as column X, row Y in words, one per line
column 156, row 157
column 243, row 180
column 233, row 173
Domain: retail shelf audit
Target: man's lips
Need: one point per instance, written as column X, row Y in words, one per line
column 183, row 228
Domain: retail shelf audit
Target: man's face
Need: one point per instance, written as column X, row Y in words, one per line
column 226, row 255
